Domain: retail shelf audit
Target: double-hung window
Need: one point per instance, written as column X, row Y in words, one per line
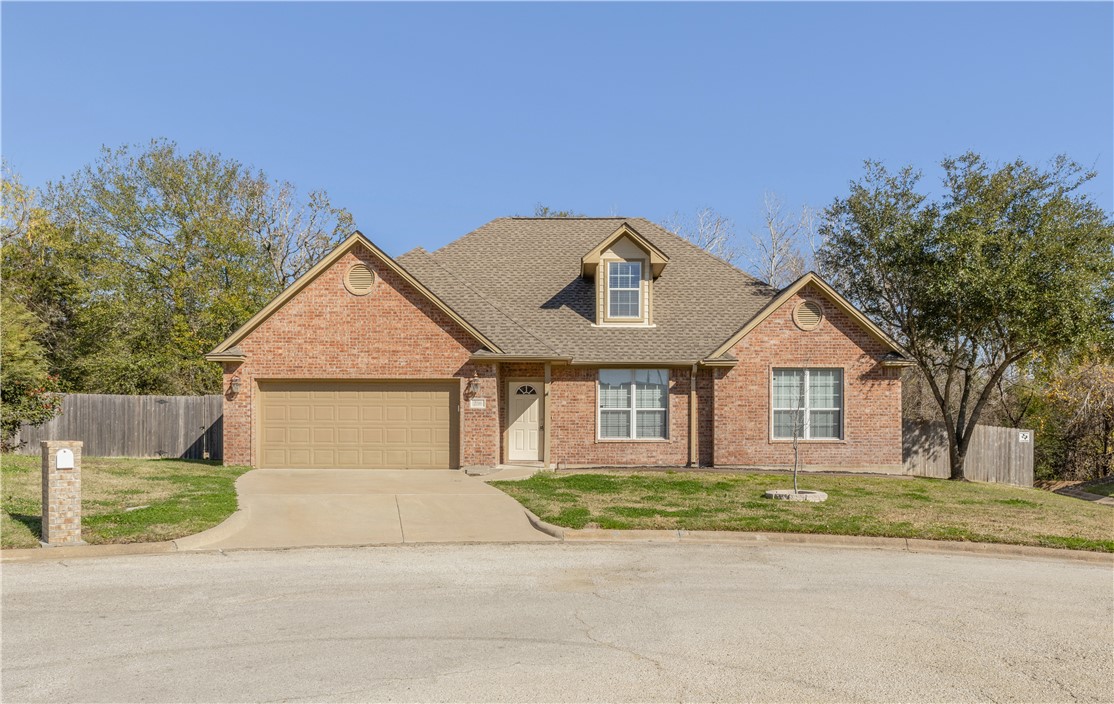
column 624, row 290
column 633, row 404
column 808, row 404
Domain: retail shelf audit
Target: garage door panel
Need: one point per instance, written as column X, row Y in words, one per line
column 371, row 436
column 348, row 458
column 274, row 413
column 395, row 413
column 274, row 436
column 394, row 436
column 298, row 412
column 348, row 412
column 299, row 435
column 358, row 424
column 348, row 436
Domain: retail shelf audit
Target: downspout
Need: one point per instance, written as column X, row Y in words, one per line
column 545, row 414
column 692, row 417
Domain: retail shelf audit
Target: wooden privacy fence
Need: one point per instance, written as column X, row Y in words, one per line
column 995, row 455
column 188, row 427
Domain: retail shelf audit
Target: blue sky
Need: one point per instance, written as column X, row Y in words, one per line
column 427, row 120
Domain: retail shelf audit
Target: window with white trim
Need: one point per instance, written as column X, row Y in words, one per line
column 808, row 403
column 633, row 404
column 624, row 289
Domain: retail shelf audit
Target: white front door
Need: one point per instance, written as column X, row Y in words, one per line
column 524, row 441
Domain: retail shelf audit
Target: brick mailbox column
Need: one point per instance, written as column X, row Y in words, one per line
column 61, row 492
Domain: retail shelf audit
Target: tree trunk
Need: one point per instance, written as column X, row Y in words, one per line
column 958, row 458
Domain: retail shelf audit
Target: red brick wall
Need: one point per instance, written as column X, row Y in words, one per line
column 573, row 419
column 396, row 333
column 872, row 394
column 324, row 332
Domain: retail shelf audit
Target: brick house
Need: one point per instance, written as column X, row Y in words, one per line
column 560, row 342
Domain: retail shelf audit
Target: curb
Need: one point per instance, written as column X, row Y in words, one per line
column 195, row 544
column 230, row 526
column 543, row 527
column 912, row 545
column 69, row 552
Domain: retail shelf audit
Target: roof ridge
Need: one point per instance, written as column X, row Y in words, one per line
column 486, row 300
column 563, row 217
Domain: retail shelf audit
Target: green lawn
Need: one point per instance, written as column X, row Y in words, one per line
column 180, row 497
column 936, row 509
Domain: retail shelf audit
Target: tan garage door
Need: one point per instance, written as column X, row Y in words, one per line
column 371, row 425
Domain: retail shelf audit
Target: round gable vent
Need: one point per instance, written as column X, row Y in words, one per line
column 808, row 315
column 359, row 280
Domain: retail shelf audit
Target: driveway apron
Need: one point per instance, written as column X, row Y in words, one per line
column 322, row 507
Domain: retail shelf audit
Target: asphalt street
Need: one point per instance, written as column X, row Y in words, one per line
column 558, row 622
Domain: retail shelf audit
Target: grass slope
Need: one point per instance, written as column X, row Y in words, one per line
column 882, row 506
column 181, row 497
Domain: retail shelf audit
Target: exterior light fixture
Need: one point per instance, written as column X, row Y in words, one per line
column 234, row 385
column 473, row 387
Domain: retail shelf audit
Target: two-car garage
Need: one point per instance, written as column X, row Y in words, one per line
column 358, row 424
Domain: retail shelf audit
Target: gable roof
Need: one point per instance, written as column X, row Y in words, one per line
column 528, row 271
column 658, row 260
column 842, row 303
column 228, row 352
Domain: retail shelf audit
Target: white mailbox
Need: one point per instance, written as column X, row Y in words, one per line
column 64, row 459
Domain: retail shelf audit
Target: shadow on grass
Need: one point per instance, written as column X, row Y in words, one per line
column 33, row 523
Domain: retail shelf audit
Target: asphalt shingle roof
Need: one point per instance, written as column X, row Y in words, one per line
column 518, row 280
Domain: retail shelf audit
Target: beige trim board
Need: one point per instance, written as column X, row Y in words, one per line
column 635, row 363
column 218, row 357
column 493, row 358
column 719, row 362
column 357, row 238
column 790, row 291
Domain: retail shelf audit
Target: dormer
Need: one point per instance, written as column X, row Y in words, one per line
column 624, row 267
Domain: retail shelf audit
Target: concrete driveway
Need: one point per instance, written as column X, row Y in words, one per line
column 323, row 507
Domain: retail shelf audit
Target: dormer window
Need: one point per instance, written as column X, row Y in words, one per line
column 624, row 266
column 624, row 290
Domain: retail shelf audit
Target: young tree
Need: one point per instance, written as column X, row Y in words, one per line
column 1013, row 260
column 544, row 211
column 294, row 233
column 779, row 257
column 709, row 230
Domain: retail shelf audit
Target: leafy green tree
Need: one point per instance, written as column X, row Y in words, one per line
column 1013, row 260
column 26, row 385
column 142, row 261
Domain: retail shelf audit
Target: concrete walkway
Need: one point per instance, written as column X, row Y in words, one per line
column 1079, row 491
column 320, row 507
